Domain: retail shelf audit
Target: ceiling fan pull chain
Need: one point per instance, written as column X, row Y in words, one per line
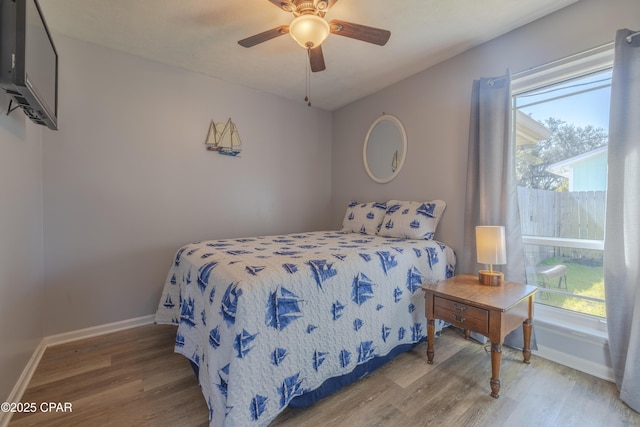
column 307, row 97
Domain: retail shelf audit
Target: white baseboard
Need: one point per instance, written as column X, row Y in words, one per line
column 586, row 366
column 23, row 381
column 32, row 364
column 578, row 349
column 573, row 339
column 95, row 331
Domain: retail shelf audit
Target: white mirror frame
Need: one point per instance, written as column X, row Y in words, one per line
column 403, row 134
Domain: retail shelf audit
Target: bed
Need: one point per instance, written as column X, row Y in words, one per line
column 274, row 321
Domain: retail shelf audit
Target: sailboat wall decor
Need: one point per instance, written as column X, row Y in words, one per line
column 224, row 138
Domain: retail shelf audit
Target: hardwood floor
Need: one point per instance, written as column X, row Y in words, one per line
column 133, row 378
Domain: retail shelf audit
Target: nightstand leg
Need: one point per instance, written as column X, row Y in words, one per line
column 496, row 357
column 527, row 326
column 431, row 335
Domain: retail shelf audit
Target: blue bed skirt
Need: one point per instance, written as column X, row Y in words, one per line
column 332, row 385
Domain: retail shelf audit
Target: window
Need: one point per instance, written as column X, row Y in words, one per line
column 561, row 117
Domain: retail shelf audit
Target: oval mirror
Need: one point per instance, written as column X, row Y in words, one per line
column 385, row 148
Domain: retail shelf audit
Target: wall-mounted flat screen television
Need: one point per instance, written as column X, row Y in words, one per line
column 29, row 61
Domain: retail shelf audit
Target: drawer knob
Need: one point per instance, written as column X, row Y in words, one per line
column 459, row 307
column 457, row 318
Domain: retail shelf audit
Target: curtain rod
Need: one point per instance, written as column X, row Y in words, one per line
column 631, row 36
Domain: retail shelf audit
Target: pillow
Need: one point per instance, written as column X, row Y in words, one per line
column 412, row 220
column 364, row 218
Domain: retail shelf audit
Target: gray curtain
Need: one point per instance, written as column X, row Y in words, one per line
column 622, row 230
column 492, row 194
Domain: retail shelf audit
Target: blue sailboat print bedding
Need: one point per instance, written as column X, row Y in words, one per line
column 267, row 319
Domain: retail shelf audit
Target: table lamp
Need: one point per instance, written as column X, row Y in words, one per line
column 491, row 249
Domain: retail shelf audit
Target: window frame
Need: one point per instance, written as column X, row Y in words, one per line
column 578, row 65
column 590, row 61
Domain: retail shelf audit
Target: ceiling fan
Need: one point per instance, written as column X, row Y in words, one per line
column 309, row 29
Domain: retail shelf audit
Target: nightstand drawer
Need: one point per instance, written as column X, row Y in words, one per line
column 462, row 315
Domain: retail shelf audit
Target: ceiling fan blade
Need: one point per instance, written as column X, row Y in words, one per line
column 360, row 32
column 264, row 36
column 316, row 59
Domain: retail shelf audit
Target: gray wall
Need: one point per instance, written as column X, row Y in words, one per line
column 127, row 179
column 21, row 259
column 434, row 107
column 91, row 215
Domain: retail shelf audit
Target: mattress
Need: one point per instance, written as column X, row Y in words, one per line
column 269, row 319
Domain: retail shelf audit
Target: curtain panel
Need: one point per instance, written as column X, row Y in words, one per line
column 492, row 194
column 622, row 229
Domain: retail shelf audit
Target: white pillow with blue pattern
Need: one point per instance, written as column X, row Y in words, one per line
column 364, row 218
column 412, row 220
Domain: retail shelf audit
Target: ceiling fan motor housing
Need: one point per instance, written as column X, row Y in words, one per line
column 322, row 4
column 306, row 7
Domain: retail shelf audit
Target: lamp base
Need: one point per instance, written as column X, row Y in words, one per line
column 490, row 278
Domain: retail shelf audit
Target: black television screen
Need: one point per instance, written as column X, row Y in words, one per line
column 29, row 61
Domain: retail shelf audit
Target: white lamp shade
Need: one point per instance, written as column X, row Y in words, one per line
column 309, row 30
column 490, row 245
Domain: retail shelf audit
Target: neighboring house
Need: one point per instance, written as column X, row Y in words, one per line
column 585, row 172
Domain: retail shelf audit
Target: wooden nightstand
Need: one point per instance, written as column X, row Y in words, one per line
column 492, row 311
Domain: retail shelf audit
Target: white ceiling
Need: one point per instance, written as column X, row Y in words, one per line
column 202, row 35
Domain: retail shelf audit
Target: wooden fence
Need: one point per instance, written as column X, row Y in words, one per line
column 574, row 214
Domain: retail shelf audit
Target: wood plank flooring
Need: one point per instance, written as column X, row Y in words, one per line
column 133, row 378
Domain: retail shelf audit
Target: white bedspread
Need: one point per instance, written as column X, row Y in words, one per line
column 269, row 318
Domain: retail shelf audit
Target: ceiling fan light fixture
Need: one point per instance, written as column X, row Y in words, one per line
column 309, row 31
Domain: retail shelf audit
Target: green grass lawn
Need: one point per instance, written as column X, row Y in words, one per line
column 582, row 279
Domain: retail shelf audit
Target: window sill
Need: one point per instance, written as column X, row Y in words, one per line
column 591, row 328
